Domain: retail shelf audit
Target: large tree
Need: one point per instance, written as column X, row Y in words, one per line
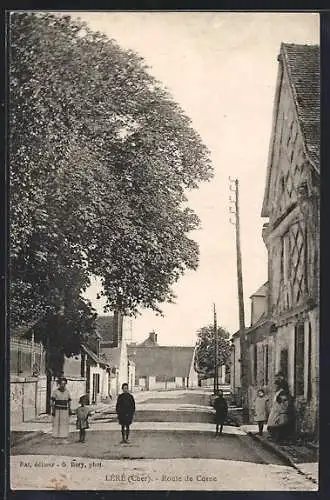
column 205, row 350
column 100, row 160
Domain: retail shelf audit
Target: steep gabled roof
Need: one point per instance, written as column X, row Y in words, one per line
column 302, row 65
column 164, row 361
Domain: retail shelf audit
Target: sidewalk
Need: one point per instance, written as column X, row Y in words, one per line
column 302, row 456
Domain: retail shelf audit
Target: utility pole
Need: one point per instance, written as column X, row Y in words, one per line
column 216, row 351
column 235, row 220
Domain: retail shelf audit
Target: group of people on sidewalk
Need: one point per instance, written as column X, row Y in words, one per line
column 278, row 414
column 61, row 412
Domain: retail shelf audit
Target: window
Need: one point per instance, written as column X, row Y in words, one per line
column 164, row 378
column 266, row 360
column 299, row 359
column 284, row 362
column 96, row 386
column 285, row 258
column 309, row 368
column 255, row 363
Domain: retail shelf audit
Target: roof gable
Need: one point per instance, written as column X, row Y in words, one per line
column 94, row 356
column 301, row 66
column 262, row 291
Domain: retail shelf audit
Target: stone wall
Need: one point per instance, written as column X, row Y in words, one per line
column 27, row 398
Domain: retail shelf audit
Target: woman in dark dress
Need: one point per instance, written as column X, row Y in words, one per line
column 281, row 418
column 221, row 411
column 125, row 409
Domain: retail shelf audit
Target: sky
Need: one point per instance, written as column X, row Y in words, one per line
column 221, row 67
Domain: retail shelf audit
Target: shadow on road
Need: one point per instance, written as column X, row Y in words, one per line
column 150, row 445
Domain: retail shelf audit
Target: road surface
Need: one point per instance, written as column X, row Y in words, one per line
column 172, row 447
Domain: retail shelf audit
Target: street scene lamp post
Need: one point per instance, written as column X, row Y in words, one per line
column 235, row 220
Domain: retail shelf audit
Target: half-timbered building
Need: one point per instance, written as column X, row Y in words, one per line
column 291, row 235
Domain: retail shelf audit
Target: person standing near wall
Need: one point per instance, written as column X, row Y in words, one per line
column 281, row 418
column 61, row 410
column 261, row 410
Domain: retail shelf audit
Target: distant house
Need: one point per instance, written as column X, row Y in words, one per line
column 87, row 373
column 162, row 367
column 115, row 333
column 97, row 372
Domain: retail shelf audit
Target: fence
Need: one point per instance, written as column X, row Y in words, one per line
column 27, row 380
column 26, row 358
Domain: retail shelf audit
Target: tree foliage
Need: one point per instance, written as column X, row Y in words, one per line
column 205, row 351
column 100, row 160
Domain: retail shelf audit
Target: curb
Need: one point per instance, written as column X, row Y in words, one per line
column 280, row 453
column 29, row 435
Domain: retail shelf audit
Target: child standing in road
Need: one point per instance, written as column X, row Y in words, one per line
column 125, row 409
column 261, row 410
column 221, row 411
column 82, row 419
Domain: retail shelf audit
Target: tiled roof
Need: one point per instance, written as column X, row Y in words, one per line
column 170, row 361
column 94, row 356
column 303, row 65
column 264, row 323
column 112, row 355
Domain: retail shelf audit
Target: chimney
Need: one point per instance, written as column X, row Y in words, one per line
column 152, row 337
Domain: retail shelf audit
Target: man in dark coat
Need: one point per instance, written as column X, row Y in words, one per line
column 221, row 411
column 125, row 409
